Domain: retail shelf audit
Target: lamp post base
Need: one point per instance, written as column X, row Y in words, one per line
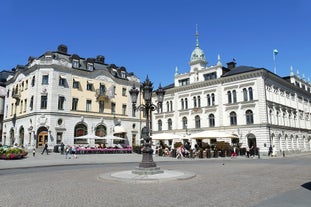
column 147, row 171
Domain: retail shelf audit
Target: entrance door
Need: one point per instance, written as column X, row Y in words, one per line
column 42, row 138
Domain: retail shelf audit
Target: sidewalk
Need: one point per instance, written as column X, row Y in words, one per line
column 54, row 159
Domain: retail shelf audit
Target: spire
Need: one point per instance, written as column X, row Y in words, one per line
column 291, row 71
column 218, row 62
column 176, row 71
column 196, row 36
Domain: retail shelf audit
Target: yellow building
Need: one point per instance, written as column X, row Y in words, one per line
column 59, row 97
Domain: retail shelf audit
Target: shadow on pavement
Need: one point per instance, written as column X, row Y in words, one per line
column 307, row 185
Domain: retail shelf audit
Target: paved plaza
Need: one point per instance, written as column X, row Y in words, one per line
column 52, row 180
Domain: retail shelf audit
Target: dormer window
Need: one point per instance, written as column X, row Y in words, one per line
column 90, row 66
column 123, row 74
column 75, row 63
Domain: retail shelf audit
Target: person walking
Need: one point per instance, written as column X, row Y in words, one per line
column 62, row 147
column 68, row 150
column 45, row 149
column 73, row 151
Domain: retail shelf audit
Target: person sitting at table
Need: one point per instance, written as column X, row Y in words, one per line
column 99, row 146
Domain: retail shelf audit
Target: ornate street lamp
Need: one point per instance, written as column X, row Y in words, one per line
column 147, row 166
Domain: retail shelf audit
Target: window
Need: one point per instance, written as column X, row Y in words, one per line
column 75, row 63
column 76, row 84
column 249, row 117
column 101, row 106
column 74, row 106
column 182, row 104
column 89, row 86
column 184, row 122
column 229, row 97
column 44, row 101
column 25, row 105
column 31, row 103
column 171, row 105
column 244, row 94
column 102, row 89
column 123, row 74
column 159, row 125
column 33, row 81
column 199, row 101
column 59, row 137
column 21, row 107
column 210, row 76
column 250, row 93
column 167, row 106
column 197, row 122
column 88, row 105
column 194, row 102
column 169, row 124
column 184, row 82
column 186, row 103
column 213, row 99
column 61, row 100
column 90, row 66
column 208, row 100
column 123, row 91
column 233, row 119
column 113, row 108
column 234, row 96
column 62, row 81
column 211, row 119
column 124, row 109
column 45, row 79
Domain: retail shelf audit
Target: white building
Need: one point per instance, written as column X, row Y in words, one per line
column 59, row 96
column 258, row 106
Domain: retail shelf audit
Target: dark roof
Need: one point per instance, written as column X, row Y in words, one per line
column 240, row 69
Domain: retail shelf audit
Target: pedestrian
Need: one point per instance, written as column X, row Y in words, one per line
column 62, row 147
column 34, row 152
column 247, row 151
column 68, row 152
column 73, row 151
column 45, row 149
column 270, row 151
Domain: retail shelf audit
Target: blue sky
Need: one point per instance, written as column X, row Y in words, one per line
column 153, row 37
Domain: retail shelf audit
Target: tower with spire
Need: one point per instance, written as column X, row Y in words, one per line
column 197, row 59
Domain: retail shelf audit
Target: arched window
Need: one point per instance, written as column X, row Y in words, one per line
column 80, row 130
column 160, row 125
column 250, row 93
column 199, row 101
column 249, row 117
column 184, row 122
column 169, row 124
column 234, row 96
column 211, row 119
column 101, row 131
column 208, row 100
column 244, row 94
column 213, row 99
column 171, row 105
column 167, row 106
column 194, row 102
column 197, row 122
column 229, row 97
column 182, row 104
column 233, row 119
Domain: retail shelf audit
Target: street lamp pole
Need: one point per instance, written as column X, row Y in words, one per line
column 147, row 166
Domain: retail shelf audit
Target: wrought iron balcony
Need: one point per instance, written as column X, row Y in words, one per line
column 101, row 95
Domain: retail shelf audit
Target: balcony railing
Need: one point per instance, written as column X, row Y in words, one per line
column 101, row 95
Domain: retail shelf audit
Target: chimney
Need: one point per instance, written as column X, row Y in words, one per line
column 231, row 65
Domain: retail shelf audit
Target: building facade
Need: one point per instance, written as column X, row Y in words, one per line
column 59, row 97
column 260, row 107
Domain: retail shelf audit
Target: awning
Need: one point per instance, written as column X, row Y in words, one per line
column 119, row 130
column 165, row 136
column 212, row 135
